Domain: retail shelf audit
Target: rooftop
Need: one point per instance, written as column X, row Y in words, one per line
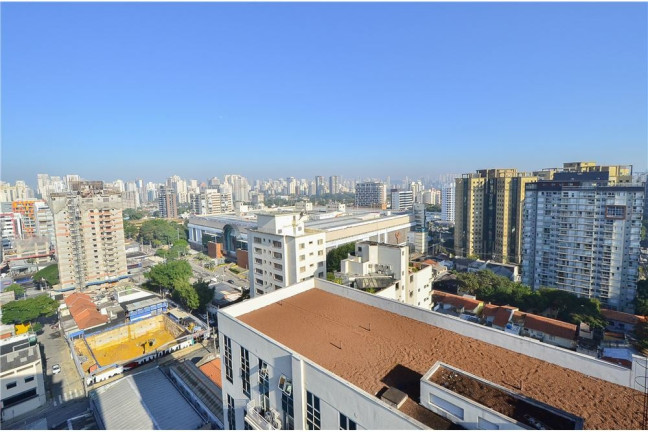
column 457, row 301
column 550, row 326
column 212, row 370
column 621, row 316
column 19, row 358
column 397, row 351
column 146, row 400
column 84, row 311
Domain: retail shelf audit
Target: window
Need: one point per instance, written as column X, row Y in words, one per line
column 320, row 242
column 312, row 411
column 231, row 414
column 246, row 426
column 302, row 245
column 245, row 371
column 29, row 379
column 485, row 424
column 288, row 410
column 346, row 423
column 264, row 384
column 11, row 385
column 228, row 359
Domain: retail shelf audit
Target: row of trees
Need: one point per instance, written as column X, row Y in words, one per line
column 156, row 232
column 174, row 277
column 24, row 311
column 178, row 249
column 565, row 306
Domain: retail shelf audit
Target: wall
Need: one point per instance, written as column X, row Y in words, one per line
column 18, row 375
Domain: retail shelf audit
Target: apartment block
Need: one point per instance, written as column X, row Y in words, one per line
column 27, row 209
column 488, row 214
column 582, row 232
column 334, row 184
column 401, row 199
column 371, row 194
column 283, row 252
column 385, row 270
column 318, row 355
column 11, row 226
column 167, row 202
column 448, row 203
column 89, row 236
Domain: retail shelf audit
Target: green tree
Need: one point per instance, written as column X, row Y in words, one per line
column 436, row 208
column 16, row 288
column 160, row 231
column 336, row 255
column 23, row 311
column 641, row 300
column 131, row 231
column 49, row 273
column 133, row 214
column 186, row 294
column 166, row 274
column 205, row 294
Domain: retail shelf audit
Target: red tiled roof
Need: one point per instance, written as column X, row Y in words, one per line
column 212, row 370
column 501, row 314
column 84, row 311
column 550, row 326
column 455, row 300
column 621, row 316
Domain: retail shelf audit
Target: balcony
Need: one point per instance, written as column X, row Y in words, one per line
column 261, row 419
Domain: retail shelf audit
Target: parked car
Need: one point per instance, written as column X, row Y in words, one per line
column 56, row 369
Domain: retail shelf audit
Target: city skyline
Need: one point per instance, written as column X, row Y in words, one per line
column 301, row 90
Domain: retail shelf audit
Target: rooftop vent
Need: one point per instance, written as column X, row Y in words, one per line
column 394, row 397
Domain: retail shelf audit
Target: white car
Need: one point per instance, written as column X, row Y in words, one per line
column 56, row 369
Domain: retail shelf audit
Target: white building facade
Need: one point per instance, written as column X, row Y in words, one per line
column 401, row 199
column 448, row 203
column 282, row 252
column 21, row 382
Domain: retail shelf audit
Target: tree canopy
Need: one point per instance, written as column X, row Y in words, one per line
column 158, row 232
column 641, row 300
column 336, row 255
column 436, row 208
column 133, row 214
column 22, row 311
column 165, row 275
column 179, row 248
column 565, row 306
column 18, row 289
column 49, row 273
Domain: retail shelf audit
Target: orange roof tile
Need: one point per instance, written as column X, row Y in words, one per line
column 550, row 326
column 621, row 316
column 212, row 370
column 455, row 300
column 84, row 311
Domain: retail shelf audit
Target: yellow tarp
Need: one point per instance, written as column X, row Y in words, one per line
column 22, row 328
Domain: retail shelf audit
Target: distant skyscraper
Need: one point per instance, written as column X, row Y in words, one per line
column 320, row 188
column 89, row 236
column 371, row 194
column 582, row 231
column 448, row 203
column 488, row 214
column 167, row 203
column 334, row 185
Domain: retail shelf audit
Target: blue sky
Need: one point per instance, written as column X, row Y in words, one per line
column 147, row 90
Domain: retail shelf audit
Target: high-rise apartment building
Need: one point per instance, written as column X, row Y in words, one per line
column 26, row 208
column 320, row 186
column 207, row 203
column 20, row 191
column 334, row 184
column 167, row 203
column 89, row 236
column 371, row 194
column 401, row 199
column 282, row 252
column 448, row 203
column 581, row 234
column 488, row 214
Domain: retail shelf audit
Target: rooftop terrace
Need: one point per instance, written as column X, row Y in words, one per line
column 397, row 351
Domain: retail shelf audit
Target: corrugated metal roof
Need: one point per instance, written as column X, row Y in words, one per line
column 146, row 400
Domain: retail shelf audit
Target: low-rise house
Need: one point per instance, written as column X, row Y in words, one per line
column 549, row 330
column 500, row 317
column 456, row 305
column 621, row 322
column 620, row 356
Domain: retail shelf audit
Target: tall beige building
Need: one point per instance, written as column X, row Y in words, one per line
column 488, row 214
column 89, row 236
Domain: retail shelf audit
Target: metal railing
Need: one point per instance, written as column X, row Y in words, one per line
column 261, row 419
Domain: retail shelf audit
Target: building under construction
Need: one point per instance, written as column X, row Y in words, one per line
column 102, row 355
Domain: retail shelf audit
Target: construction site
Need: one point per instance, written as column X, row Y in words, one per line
column 127, row 343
